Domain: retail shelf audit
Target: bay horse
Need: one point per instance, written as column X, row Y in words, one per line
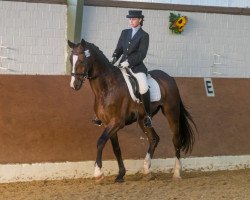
column 115, row 108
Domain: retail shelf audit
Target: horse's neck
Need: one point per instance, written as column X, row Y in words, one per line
column 101, row 75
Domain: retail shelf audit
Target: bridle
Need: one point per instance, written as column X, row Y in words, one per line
column 83, row 75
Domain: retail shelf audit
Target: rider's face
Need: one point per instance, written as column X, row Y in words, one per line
column 134, row 22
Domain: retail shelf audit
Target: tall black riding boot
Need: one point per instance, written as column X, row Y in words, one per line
column 146, row 103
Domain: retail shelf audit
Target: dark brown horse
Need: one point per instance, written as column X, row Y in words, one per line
column 116, row 109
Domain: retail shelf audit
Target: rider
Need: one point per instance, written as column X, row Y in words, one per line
column 133, row 46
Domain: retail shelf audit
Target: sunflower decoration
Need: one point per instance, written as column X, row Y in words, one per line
column 177, row 23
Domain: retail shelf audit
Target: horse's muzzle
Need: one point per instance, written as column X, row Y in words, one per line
column 76, row 84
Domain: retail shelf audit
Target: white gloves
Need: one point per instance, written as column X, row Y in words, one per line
column 125, row 64
column 112, row 60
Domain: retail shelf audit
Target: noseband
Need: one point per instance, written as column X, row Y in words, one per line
column 83, row 75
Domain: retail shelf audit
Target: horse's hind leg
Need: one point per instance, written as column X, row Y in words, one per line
column 118, row 155
column 153, row 142
column 177, row 145
column 173, row 119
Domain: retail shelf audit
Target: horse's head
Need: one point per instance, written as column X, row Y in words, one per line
column 80, row 61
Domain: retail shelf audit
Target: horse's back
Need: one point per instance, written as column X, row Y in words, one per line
column 167, row 84
column 161, row 76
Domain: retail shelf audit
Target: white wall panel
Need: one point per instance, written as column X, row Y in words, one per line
column 35, row 34
column 190, row 54
column 221, row 3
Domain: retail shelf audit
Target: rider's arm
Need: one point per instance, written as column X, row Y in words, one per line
column 119, row 47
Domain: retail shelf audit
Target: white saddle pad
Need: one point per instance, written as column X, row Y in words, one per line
column 155, row 92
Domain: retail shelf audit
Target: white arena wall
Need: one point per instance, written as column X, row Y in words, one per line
column 32, row 38
column 72, row 170
column 214, row 45
column 222, row 3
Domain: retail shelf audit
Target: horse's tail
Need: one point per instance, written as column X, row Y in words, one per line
column 186, row 131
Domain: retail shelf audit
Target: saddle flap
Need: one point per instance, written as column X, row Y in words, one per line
column 133, row 87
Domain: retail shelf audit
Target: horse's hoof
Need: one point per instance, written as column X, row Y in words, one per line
column 98, row 179
column 148, row 177
column 176, row 178
column 119, row 180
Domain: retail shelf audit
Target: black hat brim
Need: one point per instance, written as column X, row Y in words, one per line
column 135, row 16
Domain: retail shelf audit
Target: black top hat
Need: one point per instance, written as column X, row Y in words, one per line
column 135, row 14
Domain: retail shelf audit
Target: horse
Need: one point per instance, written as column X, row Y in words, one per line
column 114, row 106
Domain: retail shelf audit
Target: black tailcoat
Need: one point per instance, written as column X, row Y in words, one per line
column 134, row 50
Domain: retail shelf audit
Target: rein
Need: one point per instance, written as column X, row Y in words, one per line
column 102, row 74
column 85, row 75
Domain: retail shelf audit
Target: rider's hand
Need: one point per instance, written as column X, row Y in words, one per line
column 125, row 64
column 112, row 60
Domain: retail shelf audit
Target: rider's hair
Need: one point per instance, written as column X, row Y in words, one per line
column 141, row 23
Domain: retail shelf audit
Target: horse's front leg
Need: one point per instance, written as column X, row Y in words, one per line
column 100, row 145
column 106, row 135
column 118, row 155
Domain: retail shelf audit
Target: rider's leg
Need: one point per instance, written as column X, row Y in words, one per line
column 146, row 102
column 145, row 96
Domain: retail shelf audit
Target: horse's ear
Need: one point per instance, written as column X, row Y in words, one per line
column 71, row 44
column 83, row 43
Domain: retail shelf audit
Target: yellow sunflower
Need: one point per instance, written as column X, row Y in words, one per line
column 177, row 23
column 181, row 28
column 180, row 22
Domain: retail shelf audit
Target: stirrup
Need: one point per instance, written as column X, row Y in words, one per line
column 147, row 121
column 97, row 122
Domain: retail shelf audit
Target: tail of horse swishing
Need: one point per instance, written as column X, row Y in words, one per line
column 115, row 107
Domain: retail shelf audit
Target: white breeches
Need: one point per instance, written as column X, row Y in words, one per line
column 142, row 81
